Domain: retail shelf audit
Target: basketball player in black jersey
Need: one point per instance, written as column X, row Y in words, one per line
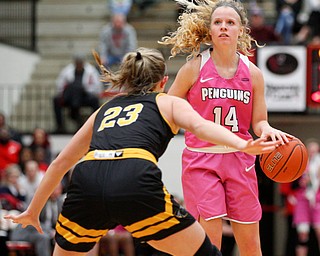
column 117, row 180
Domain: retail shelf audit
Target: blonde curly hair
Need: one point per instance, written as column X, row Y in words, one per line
column 194, row 26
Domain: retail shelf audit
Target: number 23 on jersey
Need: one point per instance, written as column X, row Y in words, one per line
column 112, row 116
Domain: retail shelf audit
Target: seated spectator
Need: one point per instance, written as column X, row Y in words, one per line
column 43, row 243
column 116, row 39
column 287, row 21
column 40, row 139
column 25, row 155
column 39, row 157
column 310, row 18
column 263, row 33
column 120, row 6
column 259, row 30
column 12, row 194
column 9, row 150
column 14, row 134
column 11, row 202
column 31, row 179
column 78, row 85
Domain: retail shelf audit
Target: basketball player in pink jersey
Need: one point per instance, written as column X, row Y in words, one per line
column 222, row 85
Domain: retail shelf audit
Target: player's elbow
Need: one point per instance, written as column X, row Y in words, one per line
column 197, row 128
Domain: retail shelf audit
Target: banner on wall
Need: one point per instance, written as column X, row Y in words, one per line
column 284, row 71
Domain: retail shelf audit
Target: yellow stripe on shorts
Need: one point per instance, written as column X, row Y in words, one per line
column 119, row 154
column 78, row 234
column 155, row 223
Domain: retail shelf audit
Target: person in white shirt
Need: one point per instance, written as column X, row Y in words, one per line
column 78, row 85
column 30, row 180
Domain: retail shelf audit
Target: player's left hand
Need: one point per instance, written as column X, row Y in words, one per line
column 275, row 134
column 25, row 219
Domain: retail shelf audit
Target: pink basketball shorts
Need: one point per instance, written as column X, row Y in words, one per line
column 221, row 185
column 306, row 213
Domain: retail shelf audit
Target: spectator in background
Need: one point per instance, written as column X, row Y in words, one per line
column 120, row 6
column 12, row 194
column 25, row 155
column 9, row 150
column 31, row 179
column 116, row 39
column 259, row 30
column 14, row 134
column 263, row 33
column 78, row 85
column 40, row 139
column 307, row 209
column 11, row 202
column 287, row 192
column 43, row 243
column 39, row 157
column 287, row 22
column 310, row 18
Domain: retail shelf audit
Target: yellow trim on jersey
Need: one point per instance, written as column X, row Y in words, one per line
column 78, row 234
column 155, row 223
column 170, row 125
column 120, row 154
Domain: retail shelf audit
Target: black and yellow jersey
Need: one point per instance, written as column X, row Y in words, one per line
column 131, row 121
column 118, row 182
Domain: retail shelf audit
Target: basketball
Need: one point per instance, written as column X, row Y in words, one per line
column 286, row 163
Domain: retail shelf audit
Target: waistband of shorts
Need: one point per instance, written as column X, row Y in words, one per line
column 217, row 149
column 119, row 154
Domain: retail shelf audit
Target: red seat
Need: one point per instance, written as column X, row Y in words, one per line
column 20, row 248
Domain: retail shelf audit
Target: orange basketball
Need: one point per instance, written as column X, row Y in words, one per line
column 286, row 163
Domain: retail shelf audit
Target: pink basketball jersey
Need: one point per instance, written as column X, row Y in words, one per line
column 227, row 102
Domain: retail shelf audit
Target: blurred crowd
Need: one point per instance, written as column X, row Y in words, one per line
column 296, row 23
column 22, row 164
column 301, row 207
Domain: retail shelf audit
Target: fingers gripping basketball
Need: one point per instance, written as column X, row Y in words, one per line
column 286, row 163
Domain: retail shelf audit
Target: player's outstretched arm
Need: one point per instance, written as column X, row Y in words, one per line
column 68, row 157
column 187, row 118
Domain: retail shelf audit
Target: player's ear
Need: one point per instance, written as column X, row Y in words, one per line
column 164, row 81
column 241, row 32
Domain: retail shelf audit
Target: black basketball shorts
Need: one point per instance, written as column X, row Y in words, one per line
column 107, row 193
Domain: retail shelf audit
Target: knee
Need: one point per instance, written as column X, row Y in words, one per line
column 207, row 248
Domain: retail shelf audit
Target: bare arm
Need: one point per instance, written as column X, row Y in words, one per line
column 180, row 113
column 68, row 157
column 186, row 77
